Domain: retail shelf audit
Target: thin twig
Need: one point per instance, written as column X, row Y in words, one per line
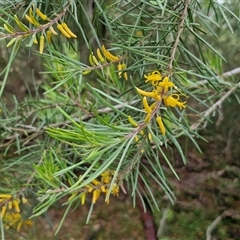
column 41, row 28
column 212, row 226
column 30, row 178
column 162, row 222
column 29, row 129
column 180, row 29
column 214, row 106
column 232, row 72
column 228, row 74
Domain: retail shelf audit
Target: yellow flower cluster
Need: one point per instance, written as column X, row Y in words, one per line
column 97, row 187
column 32, row 19
column 11, row 212
column 161, row 91
column 104, row 56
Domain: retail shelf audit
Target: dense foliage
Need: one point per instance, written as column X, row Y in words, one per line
column 120, row 83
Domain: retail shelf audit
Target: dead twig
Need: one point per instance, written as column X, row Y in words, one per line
column 162, row 222
column 213, row 225
column 214, row 106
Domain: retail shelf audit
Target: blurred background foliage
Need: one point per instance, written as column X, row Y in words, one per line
column 31, row 162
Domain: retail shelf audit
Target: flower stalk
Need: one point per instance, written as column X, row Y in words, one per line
column 98, row 186
column 162, row 91
column 46, row 30
column 105, row 58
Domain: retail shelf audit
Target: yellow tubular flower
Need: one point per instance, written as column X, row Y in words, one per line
column 86, row 72
column 83, row 198
column 41, row 45
column 24, row 200
column 130, row 119
column 173, row 101
column 19, row 225
column 150, row 137
column 4, row 209
column 20, row 24
column 35, row 40
column 66, row 28
column 8, row 28
column 125, row 73
column 34, row 20
column 41, row 15
column 96, row 62
column 16, row 205
column 11, row 42
column 153, row 105
column 52, row 30
column 120, row 67
column 115, row 190
column 156, row 95
column 144, row 93
column 49, row 36
column 165, row 84
column 100, row 56
column 146, row 106
column 108, row 55
column 95, row 182
column 29, row 19
column 136, row 138
column 96, row 194
column 147, row 118
column 7, row 196
column 90, row 189
column 103, row 189
column 72, row 196
column 10, row 205
column 153, row 77
column 60, row 28
column 106, row 177
column 161, row 126
column 90, row 59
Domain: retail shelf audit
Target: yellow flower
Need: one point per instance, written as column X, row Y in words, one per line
column 41, row 45
column 83, row 198
column 164, row 85
column 16, row 220
column 11, row 213
column 130, row 119
column 108, row 55
column 67, row 29
column 122, row 66
column 161, row 126
column 146, row 106
column 153, row 77
column 96, row 195
column 98, row 186
column 40, row 14
column 115, row 190
column 106, row 177
column 144, row 93
column 173, row 101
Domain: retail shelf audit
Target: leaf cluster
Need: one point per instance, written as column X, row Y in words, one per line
column 56, row 144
